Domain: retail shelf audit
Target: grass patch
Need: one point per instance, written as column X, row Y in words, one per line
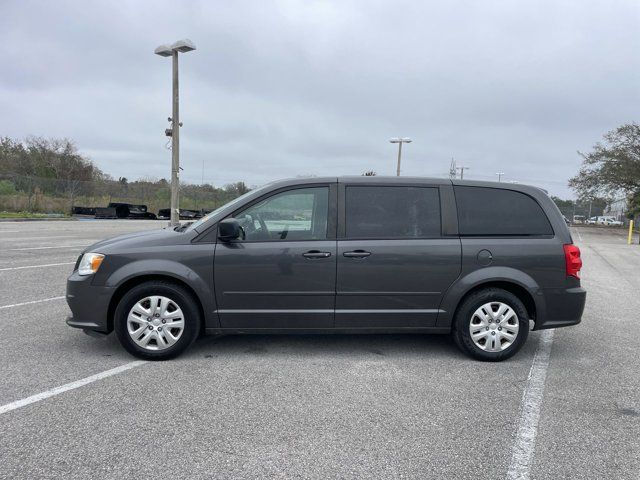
column 31, row 215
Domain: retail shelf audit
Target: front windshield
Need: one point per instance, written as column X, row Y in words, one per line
column 228, row 204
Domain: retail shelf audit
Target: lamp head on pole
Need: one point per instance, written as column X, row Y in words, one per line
column 181, row 46
column 400, row 140
column 163, row 51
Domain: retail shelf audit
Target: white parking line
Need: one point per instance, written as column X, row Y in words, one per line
column 36, row 266
column 525, row 444
column 32, row 302
column 44, row 248
column 69, row 386
column 41, row 238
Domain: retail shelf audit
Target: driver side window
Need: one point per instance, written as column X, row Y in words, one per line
column 294, row 215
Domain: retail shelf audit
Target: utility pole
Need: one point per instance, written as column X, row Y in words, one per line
column 181, row 46
column 499, row 176
column 462, row 169
column 452, row 169
column 400, row 141
column 201, row 191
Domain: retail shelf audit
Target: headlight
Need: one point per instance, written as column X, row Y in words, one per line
column 90, row 263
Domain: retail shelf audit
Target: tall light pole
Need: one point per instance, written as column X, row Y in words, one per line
column 499, row 175
column 400, row 141
column 181, row 46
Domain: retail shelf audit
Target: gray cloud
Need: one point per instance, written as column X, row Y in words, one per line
column 280, row 89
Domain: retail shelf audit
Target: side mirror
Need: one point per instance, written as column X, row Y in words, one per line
column 229, row 229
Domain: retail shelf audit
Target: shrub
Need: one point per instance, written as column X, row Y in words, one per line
column 7, row 188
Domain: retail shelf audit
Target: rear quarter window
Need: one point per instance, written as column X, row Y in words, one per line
column 484, row 211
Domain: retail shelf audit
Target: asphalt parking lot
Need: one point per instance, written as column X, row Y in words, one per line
column 312, row 406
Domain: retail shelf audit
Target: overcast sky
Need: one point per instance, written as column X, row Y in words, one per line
column 286, row 88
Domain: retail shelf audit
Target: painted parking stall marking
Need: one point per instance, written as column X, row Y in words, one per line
column 35, row 266
column 69, row 386
column 525, row 444
column 32, row 302
column 83, row 245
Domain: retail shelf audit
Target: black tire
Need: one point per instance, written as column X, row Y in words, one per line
column 177, row 294
column 464, row 316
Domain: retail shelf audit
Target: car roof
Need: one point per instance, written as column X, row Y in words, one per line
column 395, row 180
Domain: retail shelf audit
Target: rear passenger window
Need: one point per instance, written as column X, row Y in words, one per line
column 492, row 211
column 392, row 212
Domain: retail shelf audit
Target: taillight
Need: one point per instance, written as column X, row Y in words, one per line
column 572, row 260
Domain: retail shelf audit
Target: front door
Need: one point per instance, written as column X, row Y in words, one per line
column 393, row 263
column 283, row 273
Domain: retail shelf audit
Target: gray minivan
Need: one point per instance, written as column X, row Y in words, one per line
column 479, row 260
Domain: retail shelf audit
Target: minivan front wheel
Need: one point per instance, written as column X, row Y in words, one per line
column 157, row 320
column 491, row 324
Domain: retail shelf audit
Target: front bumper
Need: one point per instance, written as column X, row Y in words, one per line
column 89, row 304
column 564, row 307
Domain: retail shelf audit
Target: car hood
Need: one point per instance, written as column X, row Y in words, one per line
column 147, row 238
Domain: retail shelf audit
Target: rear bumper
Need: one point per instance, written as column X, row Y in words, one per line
column 564, row 308
column 89, row 304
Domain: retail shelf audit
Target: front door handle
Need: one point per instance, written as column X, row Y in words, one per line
column 316, row 254
column 357, row 254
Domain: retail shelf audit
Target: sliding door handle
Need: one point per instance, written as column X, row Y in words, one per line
column 357, row 254
column 316, row 254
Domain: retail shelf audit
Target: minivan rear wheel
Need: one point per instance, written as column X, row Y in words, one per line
column 491, row 324
column 157, row 320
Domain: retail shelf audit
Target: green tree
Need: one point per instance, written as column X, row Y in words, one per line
column 634, row 205
column 236, row 189
column 612, row 167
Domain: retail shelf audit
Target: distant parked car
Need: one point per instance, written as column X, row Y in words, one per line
column 613, row 223
column 591, row 221
column 608, row 220
column 578, row 219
